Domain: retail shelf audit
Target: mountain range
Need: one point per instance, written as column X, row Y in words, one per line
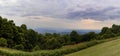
column 63, row 31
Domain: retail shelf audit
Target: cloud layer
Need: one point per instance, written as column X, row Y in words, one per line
column 72, row 14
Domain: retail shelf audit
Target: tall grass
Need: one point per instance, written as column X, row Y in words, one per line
column 57, row 52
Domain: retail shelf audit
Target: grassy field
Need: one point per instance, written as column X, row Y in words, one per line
column 64, row 50
column 111, row 48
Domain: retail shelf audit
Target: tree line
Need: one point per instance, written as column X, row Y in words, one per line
column 22, row 38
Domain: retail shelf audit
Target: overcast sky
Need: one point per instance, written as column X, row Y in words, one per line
column 64, row 14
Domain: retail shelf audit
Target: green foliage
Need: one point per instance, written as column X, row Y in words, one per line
column 89, row 36
column 24, row 27
column 57, row 52
column 3, row 42
column 105, row 30
column 65, row 39
column 110, row 32
column 36, row 48
column 74, row 37
column 115, row 28
column 52, row 44
column 19, row 47
column 108, row 35
column 22, row 38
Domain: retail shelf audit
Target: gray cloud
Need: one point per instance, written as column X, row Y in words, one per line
column 101, row 10
column 97, row 14
column 69, row 9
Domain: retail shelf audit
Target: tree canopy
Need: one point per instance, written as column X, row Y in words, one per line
column 22, row 38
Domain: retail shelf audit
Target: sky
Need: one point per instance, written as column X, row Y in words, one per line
column 62, row 14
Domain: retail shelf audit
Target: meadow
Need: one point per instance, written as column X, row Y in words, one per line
column 111, row 48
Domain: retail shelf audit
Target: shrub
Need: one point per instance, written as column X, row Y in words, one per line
column 19, row 47
column 3, row 42
column 52, row 44
column 36, row 48
column 56, row 52
column 108, row 35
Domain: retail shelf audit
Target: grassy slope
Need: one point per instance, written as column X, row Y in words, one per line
column 12, row 52
column 111, row 48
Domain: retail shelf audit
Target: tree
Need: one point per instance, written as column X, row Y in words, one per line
column 52, row 44
column 23, row 26
column 89, row 36
column 31, row 38
column 65, row 39
column 74, row 37
column 19, row 37
column 0, row 21
column 106, row 30
column 115, row 28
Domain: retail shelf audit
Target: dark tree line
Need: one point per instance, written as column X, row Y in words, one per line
column 21, row 38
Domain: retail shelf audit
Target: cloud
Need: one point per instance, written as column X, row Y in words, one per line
column 73, row 14
column 59, row 9
column 8, row 2
column 92, row 13
column 47, row 22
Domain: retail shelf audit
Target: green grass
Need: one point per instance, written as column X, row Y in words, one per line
column 111, row 48
column 57, row 52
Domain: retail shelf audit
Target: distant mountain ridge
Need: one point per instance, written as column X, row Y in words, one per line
column 63, row 31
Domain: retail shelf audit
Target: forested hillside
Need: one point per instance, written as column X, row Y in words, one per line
column 22, row 38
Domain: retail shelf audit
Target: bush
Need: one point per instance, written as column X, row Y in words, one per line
column 56, row 52
column 52, row 44
column 108, row 35
column 89, row 36
column 36, row 48
column 3, row 42
column 19, row 47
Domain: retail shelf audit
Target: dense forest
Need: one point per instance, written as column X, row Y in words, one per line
column 22, row 38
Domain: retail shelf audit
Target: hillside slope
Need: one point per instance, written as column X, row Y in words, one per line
column 57, row 52
column 111, row 48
